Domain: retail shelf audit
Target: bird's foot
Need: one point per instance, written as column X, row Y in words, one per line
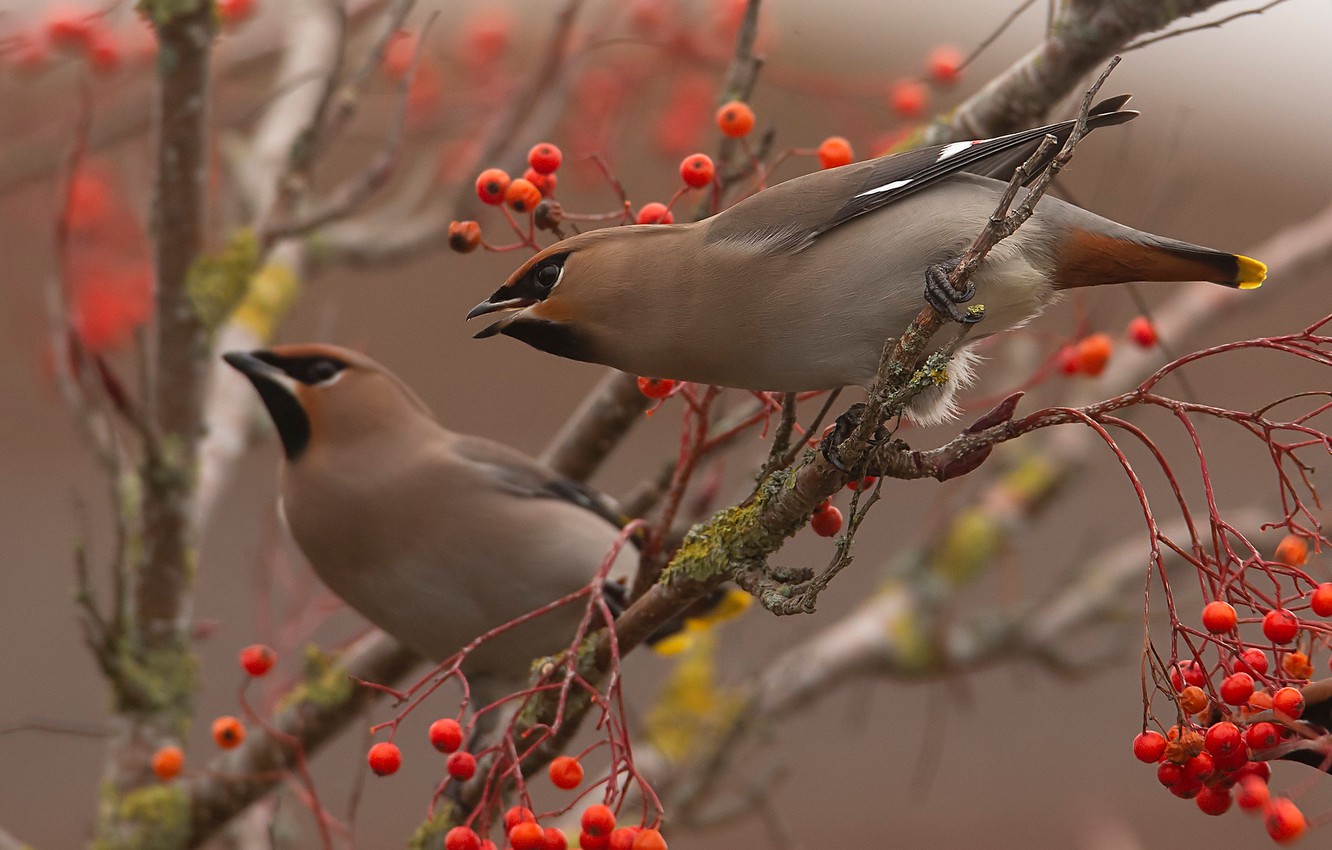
column 941, row 295
column 841, row 429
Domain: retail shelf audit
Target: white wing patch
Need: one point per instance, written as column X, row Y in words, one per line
column 954, row 148
column 887, row 187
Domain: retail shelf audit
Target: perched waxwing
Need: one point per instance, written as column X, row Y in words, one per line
column 433, row 536
column 798, row 287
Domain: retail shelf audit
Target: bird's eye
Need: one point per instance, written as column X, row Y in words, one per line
column 322, row 370
column 548, row 275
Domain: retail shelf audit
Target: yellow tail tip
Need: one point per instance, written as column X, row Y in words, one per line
column 1250, row 274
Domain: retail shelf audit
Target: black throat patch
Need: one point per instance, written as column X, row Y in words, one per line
column 551, row 337
column 293, row 426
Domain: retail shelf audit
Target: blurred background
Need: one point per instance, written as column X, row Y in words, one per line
column 1231, row 148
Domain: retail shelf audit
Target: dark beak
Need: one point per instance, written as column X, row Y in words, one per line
column 496, row 306
column 250, row 365
column 275, row 389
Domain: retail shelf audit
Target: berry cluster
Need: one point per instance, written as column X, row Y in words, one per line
column 597, row 832
column 1233, row 711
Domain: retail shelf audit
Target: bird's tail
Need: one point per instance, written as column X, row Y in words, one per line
column 1095, row 257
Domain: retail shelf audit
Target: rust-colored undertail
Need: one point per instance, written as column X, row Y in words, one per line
column 1093, row 259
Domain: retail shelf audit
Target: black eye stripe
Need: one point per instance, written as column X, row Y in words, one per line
column 307, row 370
column 548, row 274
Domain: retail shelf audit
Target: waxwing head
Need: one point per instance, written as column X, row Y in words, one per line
column 324, row 394
column 566, row 297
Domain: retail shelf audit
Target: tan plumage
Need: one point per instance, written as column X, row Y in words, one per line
column 433, row 536
column 799, row 286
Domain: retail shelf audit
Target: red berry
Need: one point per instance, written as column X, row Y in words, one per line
column 257, row 659
column 908, row 98
column 649, row 839
column 168, row 762
column 385, row 758
column 522, row 196
column 544, row 158
column 587, row 841
column 1142, row 331
column 1218, row 617
column 1284, row 821
column 1236, row 689
column 461, row 766
column 234, row 11
column 1169, row 774
column 1280, row 626
column 527, row 836
column 491, row 186
column 566, row 772
column 835, row 151
column 446, row 735
column 1213, row 801
column 1289, row 701
column 1257, row 769
column 826, row 520
column 1222, row 739
column 866, row 483
column 462, row 838
column 103, row 51
column 735, row 119
column 1292, row 551
column 228, row 732
column 1186, row 672
column 1093, row 353
column 1320, row 601
column 545, row 183
column 697, row 170
column 598, row 820
column 655, row 213
column 516, row 815
column 1252, row 661
column 1200, row 766
column 66, row 27
column 623, row 838
column 1261, row 736
column 1233, row 762
column 398, row 54
column 655, row 387
column 945, row 63
column 464, row 236
column 1252, row 794
column 1149, row 746
column 554, row 839
column 1067, row 359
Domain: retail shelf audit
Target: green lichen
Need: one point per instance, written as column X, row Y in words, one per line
column 218, row 282
column 163, row 12
column 155, row 817
column 971, row 542
column 713, row 550
column 160, row 681
column 430, row 835
column 326, row 683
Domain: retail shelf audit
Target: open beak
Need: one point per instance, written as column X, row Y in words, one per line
column 496, row 306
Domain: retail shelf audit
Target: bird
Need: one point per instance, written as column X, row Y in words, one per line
column 798, row 287
column 433, row 536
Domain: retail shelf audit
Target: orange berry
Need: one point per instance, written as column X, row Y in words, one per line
column 656, row 387
column 554, row 839
column 545, row 183
column 826, row 520
column 385, row 758
column 908, row 98
column 527, row 836
column 1289, row 701
column 1292, row 551
column 1320, row 601
column 1093, row 353
column 945, row 64
column 544, row 158
column 462, row 838
column 522, row 196
column 655, row 213
column 257, row 659
column 735, row 119
column 228, row 732
column 649, row 839
column 566, row 772
column 491, row 186
column 167, row 762
column 697, row 170
column 598, row 820
column 446, row 735
column 1193, row 699
column 1218, row 617
column 1260, row 701
column 623, row 838
column 516, row 815
column 464, row 236
column 1297, row 666
column 1284, row 821
column 1142, row 331
column 835, row 151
